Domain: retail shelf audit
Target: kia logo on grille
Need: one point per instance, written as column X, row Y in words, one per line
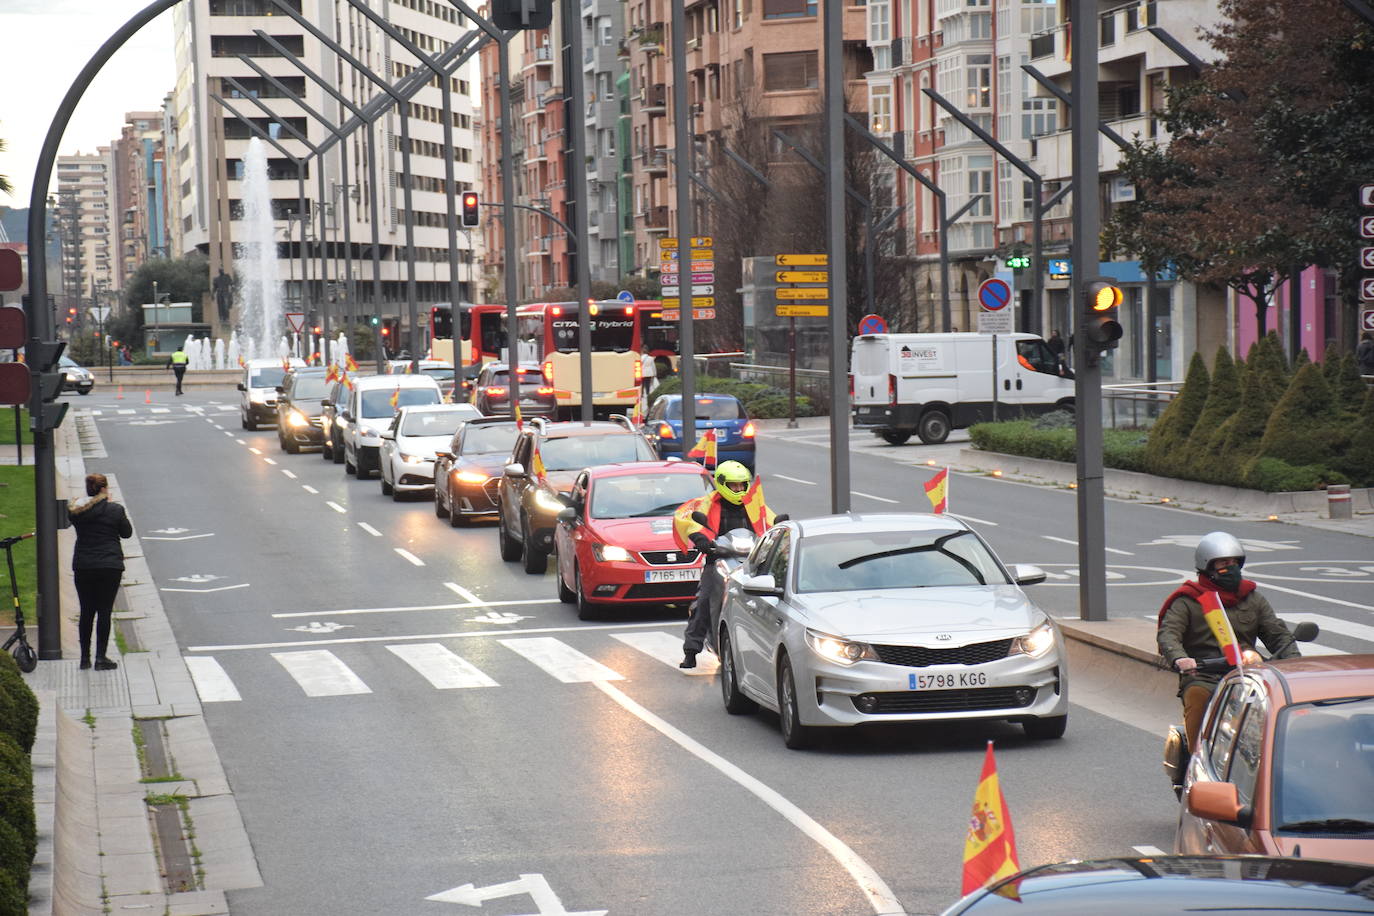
column 943, row 637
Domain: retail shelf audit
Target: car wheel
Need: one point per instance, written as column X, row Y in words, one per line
column 565, row 594
column 585, row 609
column 292, row 446
column 895, row 436
column 440, row 511
column 363, row 465
column 510, row 549
column 250, row 424
column 536, row 560
column 337, row 453
column 795, row 735
column 1047, row 728
column 349, row 467
column 85, row 391
column 933, row 427
column 736, row 703
column 387, row 489
column 326, row 451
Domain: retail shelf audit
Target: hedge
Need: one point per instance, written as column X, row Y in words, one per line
column 762, row 402
column 19, row 707
column 16, row 799
column 1305, row 427
column 1044, row 438
column 1223, row 394
column 1169, row 437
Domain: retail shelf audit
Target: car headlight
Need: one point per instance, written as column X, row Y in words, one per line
column 475, row 477
column 610, row 553
column 548, row 502
column 1035, row 643
column 840, row 651
column 297, row 419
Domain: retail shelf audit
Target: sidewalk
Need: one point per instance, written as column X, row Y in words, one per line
column 103, row 847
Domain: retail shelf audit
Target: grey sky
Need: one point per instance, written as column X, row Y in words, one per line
column 45, row 44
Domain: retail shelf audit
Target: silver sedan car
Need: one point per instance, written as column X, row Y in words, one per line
column 406, row 462
column 887, row 617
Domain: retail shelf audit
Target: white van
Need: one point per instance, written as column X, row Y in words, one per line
column 370, row 410
column 928, row 384
column 258, row 389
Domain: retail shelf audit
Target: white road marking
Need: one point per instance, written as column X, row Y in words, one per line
column 879, row 895
column 320, row 673
column 519, row 602
column 369, row 529
column 1333, row 625
column 126, row 411
column 1073, row 543
column 461, row 634
column 216, row 425
column 189, row 537
column 336, row 507
column 309, row 489
column 241, row 442
column 229, row 434
column 1269, row 586
column 809, row 483
column 462, row 592
column 211, row 680
column 409, row 557
column 97, row 413
column 441, row 667
column 288, row 473
column 881, row 499
column 1149, row 850
column 667, row 648
column 255, row 451
column 159, row 410
column 202, row 591
column 269, row 461
column 561, row 660
column 969, row 518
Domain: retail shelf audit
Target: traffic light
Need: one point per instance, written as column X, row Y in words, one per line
column 1017, row 260
column 43, row 355
column 1101, row 330
column 470, row 204
column 386, row 330
column 374, row 321
column 510, row 15
column 71, row 314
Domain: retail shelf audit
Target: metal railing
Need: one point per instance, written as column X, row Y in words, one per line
column 813, row 383
column 1136, row 405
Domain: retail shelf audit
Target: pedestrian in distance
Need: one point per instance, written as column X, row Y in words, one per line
column 97, row 565
column 178, row 364
column 1056, row 345
column 648, row 370
column 1184, row 635
column 1364, row 353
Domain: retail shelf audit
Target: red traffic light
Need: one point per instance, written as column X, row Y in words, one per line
column 72, row 311
column 471, row 203
column 386, row 332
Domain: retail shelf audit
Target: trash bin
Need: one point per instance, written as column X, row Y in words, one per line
column 1338, row 503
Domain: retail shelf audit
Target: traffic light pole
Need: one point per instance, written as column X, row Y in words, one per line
column 682, row 166
column 575, row 118
column 838, row 264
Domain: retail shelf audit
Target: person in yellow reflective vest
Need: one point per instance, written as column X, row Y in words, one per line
column 735, row 502
column 178, row 364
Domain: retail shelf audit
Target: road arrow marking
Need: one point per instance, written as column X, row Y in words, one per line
column 170, row 530
column 315, row 626
column 498, row 617
column 534, row 885
column 222, row 588
column 197, row 577
column 188, row 537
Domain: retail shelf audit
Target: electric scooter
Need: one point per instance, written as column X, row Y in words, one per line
column 24, row 654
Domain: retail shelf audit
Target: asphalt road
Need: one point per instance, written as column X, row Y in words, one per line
column 402, row 715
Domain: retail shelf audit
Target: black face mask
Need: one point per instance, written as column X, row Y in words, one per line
column 1227, row 577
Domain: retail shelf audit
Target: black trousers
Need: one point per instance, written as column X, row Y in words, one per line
column 179, row 371
column 96, row 590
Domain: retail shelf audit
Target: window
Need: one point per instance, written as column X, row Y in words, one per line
column 880, row 108
column 777, row 567
column 791, row 71
column 788, row 9
column 879, row 22
column 980, row 182
column 1224, row 723
column 978, row 81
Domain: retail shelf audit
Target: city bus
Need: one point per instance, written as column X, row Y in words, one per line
column 481, row 337
column 549, row 334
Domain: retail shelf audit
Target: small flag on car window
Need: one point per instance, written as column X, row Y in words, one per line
column 937, row 491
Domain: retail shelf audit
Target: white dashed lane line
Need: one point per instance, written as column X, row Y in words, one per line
column 309, row 489
column 409, row 557
column 288, row 473
column 809, row 483
column 336, row 507
column 269, row 461
column 369, row 529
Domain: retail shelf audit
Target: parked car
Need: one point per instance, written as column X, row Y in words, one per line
column 615, row 543
column 411, row 441
column 299, row 409
column 1168, row 885
column 542, row 468
column 372, row 402
column 722, row 413
column 332, row 423
column 467, row 475
column 491, row 394
column 890, row 617
column 258, row 389
column 1285, row 759
column 75, row 377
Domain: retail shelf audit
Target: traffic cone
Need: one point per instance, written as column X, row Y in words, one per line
column 148, row 396
column 120, row 396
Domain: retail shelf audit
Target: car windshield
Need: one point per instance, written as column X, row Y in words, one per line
column 437, row 422
column 266, row 378
column 710, row 408
column 644, row 495
column 439, row 373
column 573, row 453
column 894, row 559
column 1324, row 771
column 377, row 403
column 530, row 379
column 310, row 388
column 490, row 440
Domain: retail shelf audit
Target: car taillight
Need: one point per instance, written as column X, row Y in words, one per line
column 639, row 371
column 851, row 385
column 548, row 371
column 749, row 430
column 665, row 431
column 892, row 389
column 544, row 390
column 496, row 391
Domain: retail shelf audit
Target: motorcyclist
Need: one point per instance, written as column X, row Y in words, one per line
column 735, row 502
column 1184, row 635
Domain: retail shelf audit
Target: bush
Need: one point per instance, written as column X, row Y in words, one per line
column 22, row 710
column 1357, row 461
column 16, row 794
column 1121, row 448
column 1169, row 435
column 1274, row 475
column 14, row 870
column 775, row 406
column 1305, row 428
column 1223, row 394
column 1239, row 437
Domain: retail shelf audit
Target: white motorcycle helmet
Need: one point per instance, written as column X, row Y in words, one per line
column 1215, row 546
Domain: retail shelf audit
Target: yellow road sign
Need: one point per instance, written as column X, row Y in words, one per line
column 810, row 310
column 698, row 302
column 802, row 260
column 803, row 276
column 803, row 292
column 668, row 243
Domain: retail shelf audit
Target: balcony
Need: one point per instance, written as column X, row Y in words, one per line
column 653, row 99
column 655, row 219
column 539, row 246
column 541, row 56
column 1053, row 153
column 654, row 161
column 1123, row 38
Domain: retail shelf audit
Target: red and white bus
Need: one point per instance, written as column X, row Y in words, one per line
column 481, row 337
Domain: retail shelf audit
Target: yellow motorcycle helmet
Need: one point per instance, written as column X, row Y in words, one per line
column 729, row 475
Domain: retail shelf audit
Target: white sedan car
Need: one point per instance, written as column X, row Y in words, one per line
column 409, row 444
column 887, row 617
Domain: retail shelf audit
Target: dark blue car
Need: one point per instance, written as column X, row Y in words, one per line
column 720, row 412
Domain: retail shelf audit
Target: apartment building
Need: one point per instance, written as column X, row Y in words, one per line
column 210, row 37
column 603, row 66
column 87, row 227
column 140, row 192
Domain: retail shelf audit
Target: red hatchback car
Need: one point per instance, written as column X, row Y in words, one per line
column 615, row 542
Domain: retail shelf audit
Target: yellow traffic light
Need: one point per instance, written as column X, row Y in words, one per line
column 1101, row 330
column 1103, row 295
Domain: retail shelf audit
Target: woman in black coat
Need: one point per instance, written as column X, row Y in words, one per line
column 98, row 565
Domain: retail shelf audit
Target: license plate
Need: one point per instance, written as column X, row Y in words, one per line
column 949, row 680
column 673, row 575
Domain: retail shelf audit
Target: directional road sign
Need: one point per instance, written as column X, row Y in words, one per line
column 1367, row 321
column 698, row 241
column 801, row 260
column 697, row 314
column 1367, row 227
column 994, row 294
column 625, row 296
column 697, row 254
column 1367, row 258
column 698, row 302
column 1367, row 195
column 803, row 292
column 809, row 310
column 872, row 324
column 698, row 289
column 803, row 276
column 1367, row 289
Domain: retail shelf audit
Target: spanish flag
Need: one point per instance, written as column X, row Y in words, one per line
column 350, row 363
column 242, row 364
column 705, row 449
column 754, row 506
column 937, row 491
column 637, row 415
column 537, row 467
column 395, row 397
column 1214, row 612
column 348, row 382
column 333, row 374
column 314, row 357
column 285, row 364
column 990, row 847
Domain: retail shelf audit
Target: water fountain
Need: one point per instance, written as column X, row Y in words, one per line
column 234, row 351
column 219, row 354
column 255, row 261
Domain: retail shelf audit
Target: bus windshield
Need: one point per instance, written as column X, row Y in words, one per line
column 612, row 331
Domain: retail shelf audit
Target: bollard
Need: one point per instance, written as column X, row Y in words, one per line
column 1338, row 503
column 148, row 396
column 120, row 396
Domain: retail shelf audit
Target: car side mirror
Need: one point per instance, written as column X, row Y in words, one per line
column 763, row 586
column 240, row 387
column 388, row 434
column 1217, row 801
column 444, row 455
column 280, row 389
column 1306, row 631
column 701, row 519
column 348, row 417
column 568, row 515
column 516, row 470
column 1026, row 574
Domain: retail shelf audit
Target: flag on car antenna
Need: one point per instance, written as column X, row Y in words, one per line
column 937, row 491
column 990, row 844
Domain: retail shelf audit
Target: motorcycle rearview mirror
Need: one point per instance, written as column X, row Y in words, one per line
column 567, row 515
column 741, row 544
column 701, row 519
column 1306, row 631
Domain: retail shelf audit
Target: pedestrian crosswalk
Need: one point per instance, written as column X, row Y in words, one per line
column 322, row 673
column 194, row 410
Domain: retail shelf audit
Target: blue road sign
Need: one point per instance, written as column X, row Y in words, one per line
column 994, row 294
column 872, row 324
column 625, row 296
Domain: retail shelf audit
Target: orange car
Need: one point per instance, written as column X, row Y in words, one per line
column 1285, row 763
